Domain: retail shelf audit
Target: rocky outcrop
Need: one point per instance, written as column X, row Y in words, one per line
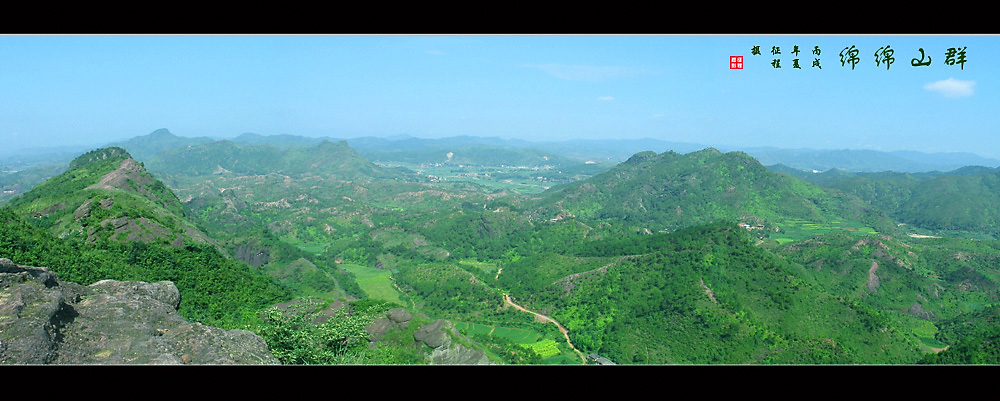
column 252, row 255
column 438, row 335
column 396, row 319
column 83, row 211
column 873, row 280
column 918, row 310
column 133, row 229
column 433, row 334
column 47, row 321
column 129, row 176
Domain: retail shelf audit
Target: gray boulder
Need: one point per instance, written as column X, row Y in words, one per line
column 396, row 319
column 438, row 336
column 47, row 321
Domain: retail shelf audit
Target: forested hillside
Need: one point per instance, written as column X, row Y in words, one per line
column 706, row 294
column 107, row 218
column 107, row 194
column 214, row 289
column 667, row 258
column 669, row 191
column 964, row 201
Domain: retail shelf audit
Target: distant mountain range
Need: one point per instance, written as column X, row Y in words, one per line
column 618, row 150
column 22, row 169
column 868, row 160
column 607, row 150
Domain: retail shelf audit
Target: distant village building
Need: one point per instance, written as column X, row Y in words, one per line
column 599, row 360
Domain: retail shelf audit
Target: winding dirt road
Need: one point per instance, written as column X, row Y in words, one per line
column 546, row 319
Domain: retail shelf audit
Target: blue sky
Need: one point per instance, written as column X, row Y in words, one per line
column 84, row 90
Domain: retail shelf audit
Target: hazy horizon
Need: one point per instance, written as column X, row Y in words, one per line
column 92, row 90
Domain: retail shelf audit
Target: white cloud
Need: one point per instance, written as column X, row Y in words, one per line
column 606, row 98
column 952, row 87
column 657, row 115
column 591, row 73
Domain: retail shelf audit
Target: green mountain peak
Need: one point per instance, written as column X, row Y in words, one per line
column 670, row 191
column 162, row 132
column 641, row 157
column 106, row 194
column 99, row 155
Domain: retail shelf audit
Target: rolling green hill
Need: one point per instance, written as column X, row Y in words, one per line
column 105, row 217
column 146, row 147
column 327, row 159
column 965, row 201
column 669, row 191
column 105, row 194
column 704, row 294
column 641, row 263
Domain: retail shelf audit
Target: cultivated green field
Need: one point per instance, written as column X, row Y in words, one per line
column 545, row 348
column 312, row 248
column 520, row 336
column 376, row 283
column 487, row 267
column 797, row 230
column 520, row 179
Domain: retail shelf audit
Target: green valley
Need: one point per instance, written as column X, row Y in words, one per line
column 666, row 258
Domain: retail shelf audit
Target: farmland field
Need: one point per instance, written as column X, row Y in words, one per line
column 521, row 179
column 520, row 336
column 796, row 230
column 376, row 283
column 312, row 248
column 545, row 348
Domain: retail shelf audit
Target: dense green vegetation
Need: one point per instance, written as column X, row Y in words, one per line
column 642, row 263
column 105, row 194
column 975, row 338
column 295, row 337
column 214, row 289
column 962, row 202
column 711, row 286
column 669, row 191
column 13, row 184
column 107, row 218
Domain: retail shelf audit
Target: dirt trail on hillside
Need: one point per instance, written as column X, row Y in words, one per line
column 873, row 281
column 546, row 319
column 568, row 280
